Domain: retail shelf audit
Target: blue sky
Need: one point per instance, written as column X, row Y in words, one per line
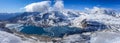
column 17, row 5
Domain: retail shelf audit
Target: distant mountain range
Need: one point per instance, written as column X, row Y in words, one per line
column 5, row 16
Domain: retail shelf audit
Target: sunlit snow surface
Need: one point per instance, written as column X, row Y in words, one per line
column 105, row 37
column 9, row 38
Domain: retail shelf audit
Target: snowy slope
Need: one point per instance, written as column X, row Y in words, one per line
column 105, row 37
column 9, row 38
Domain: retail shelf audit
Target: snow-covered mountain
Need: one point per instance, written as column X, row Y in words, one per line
column 44, row 14
column 69, row 17
column 56, row 15
column 50, row 18
column 92, row 24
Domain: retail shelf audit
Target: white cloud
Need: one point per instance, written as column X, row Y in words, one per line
column 44, row 6
column 99, row 10
column 58, row 5
column 38, row 7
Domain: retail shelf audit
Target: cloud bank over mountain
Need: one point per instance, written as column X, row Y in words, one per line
column 38, row 7
column 59, row 5
column 44, row 6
